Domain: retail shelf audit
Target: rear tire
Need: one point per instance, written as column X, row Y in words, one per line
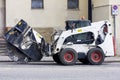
column 68, row 56
column 95, row 56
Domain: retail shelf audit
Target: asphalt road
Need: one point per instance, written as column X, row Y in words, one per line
column 51, row 71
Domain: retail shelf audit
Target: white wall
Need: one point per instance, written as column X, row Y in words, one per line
column 100, row 2
column 54, row 14
column 2, row 16
column 100, row 13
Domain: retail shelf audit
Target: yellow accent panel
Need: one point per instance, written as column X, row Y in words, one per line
column 19, row 23
column 79, row 30
column 39, row 35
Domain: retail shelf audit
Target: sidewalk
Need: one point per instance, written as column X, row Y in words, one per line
column 4, row 58
column 112, row 59
column 107, row 59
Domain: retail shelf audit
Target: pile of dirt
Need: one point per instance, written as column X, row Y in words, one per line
column 46, row 33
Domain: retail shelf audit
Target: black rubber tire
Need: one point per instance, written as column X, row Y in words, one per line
column 84, row 61
column 56, row 58
column 68, row 56
column 95, row 56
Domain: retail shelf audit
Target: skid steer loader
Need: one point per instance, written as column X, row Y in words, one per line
column 87, row 42
column 82, row 40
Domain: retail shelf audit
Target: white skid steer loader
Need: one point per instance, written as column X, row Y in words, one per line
column 87, row 42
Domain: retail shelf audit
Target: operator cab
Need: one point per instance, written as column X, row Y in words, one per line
column 83, row 38
column 72, row 24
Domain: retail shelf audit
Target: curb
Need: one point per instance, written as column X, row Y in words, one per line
column 112, row 59
column 49, row 59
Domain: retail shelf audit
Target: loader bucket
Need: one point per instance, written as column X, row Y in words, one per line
column 21, row 36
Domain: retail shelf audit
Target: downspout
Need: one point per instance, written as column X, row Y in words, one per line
column 90, row 10
column 4, row 15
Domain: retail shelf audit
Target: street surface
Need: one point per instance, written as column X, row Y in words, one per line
column 49, row 70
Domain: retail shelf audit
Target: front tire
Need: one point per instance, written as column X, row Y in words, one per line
column 95, row 56
column 56, row 58
column 68, row 56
